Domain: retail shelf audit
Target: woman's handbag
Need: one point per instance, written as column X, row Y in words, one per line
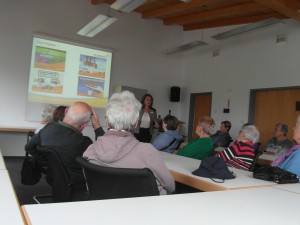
column 275, row 174
column 214, row 168
column 30, row 173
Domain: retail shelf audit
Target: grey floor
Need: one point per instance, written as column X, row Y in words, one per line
column 24, row 193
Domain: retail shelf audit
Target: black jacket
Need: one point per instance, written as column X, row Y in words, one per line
column 66, row 141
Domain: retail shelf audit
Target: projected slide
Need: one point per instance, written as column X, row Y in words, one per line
column 48, row 82
column 92, row 66
column 50, row 59
column 88, row 86
column 63, row 72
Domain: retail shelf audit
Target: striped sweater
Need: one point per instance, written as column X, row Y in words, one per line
column 197, row 149
column 239, row 155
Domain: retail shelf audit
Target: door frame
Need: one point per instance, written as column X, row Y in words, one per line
column 253, row 97
column 191, row 112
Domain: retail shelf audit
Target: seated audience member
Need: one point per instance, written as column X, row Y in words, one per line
column 119, row 148
column 290, row 160
column 256, row 144
column 59, row 113
column 241, row 153
column 203, row 145
column 47, row 117
column 279, row 144
column 65, row 137
column 170, row 139
column 222, row 137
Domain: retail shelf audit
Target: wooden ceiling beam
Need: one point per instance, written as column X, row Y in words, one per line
column 281, row 6
column 232, row 21
column 177, row 7
column 220, row 12
column 97, row 2
column 239, row 13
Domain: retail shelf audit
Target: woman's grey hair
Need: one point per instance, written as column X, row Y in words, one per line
column 122, row 111
column 47, row 113
column 251, row 133
column 207, row 123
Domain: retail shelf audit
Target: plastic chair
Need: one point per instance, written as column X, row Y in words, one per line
column 110, row 182
column 61, row 184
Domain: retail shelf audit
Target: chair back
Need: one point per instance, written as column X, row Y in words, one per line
column 257, row 154
column 110, row 182
column 179, row 143
column 256, row 146
column 60, row 179
column 228, row 143
column 30, row 134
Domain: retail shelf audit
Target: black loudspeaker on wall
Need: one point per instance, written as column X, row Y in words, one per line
column 175, row 94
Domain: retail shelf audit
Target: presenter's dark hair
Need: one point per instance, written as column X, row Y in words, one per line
column 143, row 101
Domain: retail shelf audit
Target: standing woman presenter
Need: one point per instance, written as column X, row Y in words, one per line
column 147, row 120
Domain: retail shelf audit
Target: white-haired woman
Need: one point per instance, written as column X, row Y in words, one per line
column 202, row 146
column 290, row 161
column 47, row 117
column 119, row 148
column 241, row 154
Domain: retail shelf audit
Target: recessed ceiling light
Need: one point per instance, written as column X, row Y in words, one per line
column 184, row 47
column 98, row 24
column 127, row 5
column 245, row 28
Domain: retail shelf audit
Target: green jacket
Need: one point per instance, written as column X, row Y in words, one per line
column 198, row 148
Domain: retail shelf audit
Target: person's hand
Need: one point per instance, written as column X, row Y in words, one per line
column 95, row 120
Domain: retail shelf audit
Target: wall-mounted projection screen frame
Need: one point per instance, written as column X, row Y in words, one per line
column 63, row 72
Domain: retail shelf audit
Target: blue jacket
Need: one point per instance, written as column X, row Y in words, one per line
column 292, row 163
column 165, row 141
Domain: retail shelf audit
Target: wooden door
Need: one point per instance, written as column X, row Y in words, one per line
column 200, row 106
column 274, row 106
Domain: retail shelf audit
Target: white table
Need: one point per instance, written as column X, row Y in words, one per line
column 10, row 212
column 266, row 159
column 182, row 167
column 2, row 164
column 247, row 207
column 294, row 188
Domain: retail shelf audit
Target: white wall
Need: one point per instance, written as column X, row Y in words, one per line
column 137, row 58
column 249, row 61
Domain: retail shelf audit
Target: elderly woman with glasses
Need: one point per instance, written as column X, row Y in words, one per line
column 241, row 154
column 203, row 145
column 119, row 148
column 290, row 160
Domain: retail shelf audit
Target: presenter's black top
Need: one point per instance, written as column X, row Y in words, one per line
column 67, row 141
